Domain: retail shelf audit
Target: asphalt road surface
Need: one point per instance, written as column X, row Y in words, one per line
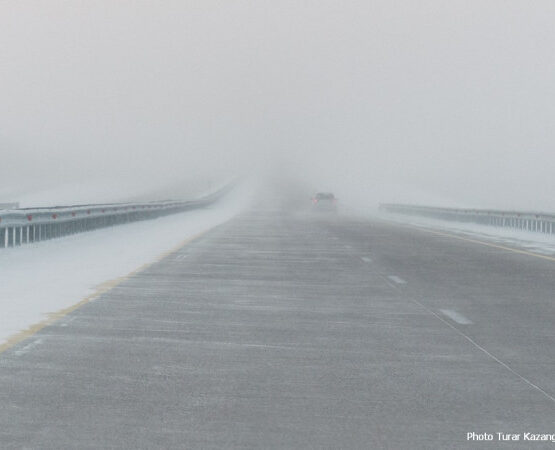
column 292, row 330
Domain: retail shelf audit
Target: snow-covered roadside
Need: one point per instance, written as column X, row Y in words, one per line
column 39, row 279
column 535, row 242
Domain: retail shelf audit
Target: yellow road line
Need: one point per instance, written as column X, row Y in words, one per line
column 487, row 244
column 101, row 289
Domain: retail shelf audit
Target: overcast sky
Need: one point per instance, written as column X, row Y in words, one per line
column 432, row 101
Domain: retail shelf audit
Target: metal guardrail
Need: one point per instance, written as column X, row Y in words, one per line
column 526, row 221
column 27, row 225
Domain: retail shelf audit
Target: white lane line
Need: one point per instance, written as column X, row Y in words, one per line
column 455, row 316
column 396, row 279
column 476, row 345
column 181, row 256
column 28, row 347
column 366, row 259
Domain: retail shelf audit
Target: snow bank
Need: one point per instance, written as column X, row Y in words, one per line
column 528, row 240
column 41, row 278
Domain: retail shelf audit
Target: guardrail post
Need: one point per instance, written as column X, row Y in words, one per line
column 23, row 226
column 525, row 221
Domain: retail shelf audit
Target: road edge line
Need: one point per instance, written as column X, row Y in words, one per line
column 432, row 230
column 101, row 289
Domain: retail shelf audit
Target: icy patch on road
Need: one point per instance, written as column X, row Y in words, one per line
column 528, row 240
column 45, row 277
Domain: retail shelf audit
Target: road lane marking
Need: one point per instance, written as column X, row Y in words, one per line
column 495, row 358
column 28, row 347
column 472, row 342
column 476, row 241
column 396, row 279
column 455, row 316
column 180, row 257
column 100, row 289
column 366, row 259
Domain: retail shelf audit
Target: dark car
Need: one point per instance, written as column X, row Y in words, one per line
column 324, row 201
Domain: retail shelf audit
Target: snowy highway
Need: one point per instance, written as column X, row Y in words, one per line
column 285, row 329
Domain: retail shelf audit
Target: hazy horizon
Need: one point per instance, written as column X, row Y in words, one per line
column 432, row 102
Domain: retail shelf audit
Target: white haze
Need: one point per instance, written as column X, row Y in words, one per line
column 428, row 101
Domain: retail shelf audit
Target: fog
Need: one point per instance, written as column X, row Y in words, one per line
column 434, row 102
